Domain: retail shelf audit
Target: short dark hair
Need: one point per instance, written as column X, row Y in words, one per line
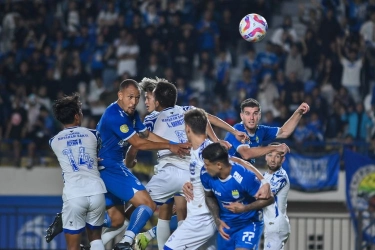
column 197, row 120
column 148, row 84
column 126, row 83
column 216, row 152
column 165, row 93
column 64, row 109
column 250, row 102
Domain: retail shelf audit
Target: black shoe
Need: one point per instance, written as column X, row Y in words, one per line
column 84, row 247
column 123, row 246
column 55, row 228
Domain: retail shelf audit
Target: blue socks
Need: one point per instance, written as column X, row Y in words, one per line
column 173, row 223
column 139, row 218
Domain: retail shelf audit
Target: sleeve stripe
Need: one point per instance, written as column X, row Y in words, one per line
column 207, row 189
column 127, row 138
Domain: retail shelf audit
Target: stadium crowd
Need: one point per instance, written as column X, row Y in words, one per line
column 54, row 47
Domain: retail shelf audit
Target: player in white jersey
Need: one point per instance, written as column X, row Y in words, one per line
column 277, row 227
column 83, row 193
column 173, row 171
column 198, row 230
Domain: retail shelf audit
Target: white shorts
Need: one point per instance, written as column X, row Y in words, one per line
column 166, row 183
column 196, row 232
column 83, row 211
column 276, row 233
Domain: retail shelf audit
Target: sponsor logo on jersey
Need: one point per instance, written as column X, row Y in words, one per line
column 124, row 128
column 237, row 177
column 217, row 193
column 235, row 194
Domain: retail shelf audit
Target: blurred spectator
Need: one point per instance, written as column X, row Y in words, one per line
column 247, row 84
column 294, row 62
column 329, row 29
column 286, row 35
column 127, row 53
column 351, row 74
column 267, row 93
column 227, row 113
column 268, row 61
column 40, row 133
column 208, row 33
column 222, row 74
column 250, row 62
column 184, row 92
column 314, row 17
column 16, row 129
column 153, row 68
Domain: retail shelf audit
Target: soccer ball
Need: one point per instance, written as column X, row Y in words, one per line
column 253, row 27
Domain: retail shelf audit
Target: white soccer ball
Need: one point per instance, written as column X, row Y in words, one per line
column 253, row 27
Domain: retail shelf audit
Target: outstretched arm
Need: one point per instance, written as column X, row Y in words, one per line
column 251, row 153
column 287, row 129
column 264, row 191
column 216, row 121
column 237, row 207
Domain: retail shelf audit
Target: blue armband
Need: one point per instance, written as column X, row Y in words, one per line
column 172, row 142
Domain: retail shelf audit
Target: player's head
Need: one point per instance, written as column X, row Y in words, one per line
column 165, row 94
column 250, row 113
column 216, row 159
column 128, row 95
column 148, row 85
column 274, row 159
column 195, row 122
column 67, row 110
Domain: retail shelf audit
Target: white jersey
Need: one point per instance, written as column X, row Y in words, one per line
column 169, row 124
column 198, row 205
column 76, row 151
column 280, row 186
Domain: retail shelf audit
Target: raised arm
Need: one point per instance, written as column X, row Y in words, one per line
column 216, row 121
column 289, row 126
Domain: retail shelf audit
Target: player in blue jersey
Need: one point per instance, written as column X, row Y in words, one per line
column 168, row 122
column 230, row 192
column 250, row 116
column 119, row 127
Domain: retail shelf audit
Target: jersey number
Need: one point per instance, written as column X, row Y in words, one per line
column 247, row 236
column 83, row 159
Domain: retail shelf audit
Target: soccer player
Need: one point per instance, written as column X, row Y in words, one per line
column 250, row 116
column 173, row 172
column 119, row 127
column 277, row 227
column 198, row 229
column 83, row 195
column 230, row 191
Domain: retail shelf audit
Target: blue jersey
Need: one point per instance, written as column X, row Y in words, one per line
column 240, row 186
column 262, row 134
column 115, row 128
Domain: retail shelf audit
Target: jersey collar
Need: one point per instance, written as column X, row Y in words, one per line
column 71, row 127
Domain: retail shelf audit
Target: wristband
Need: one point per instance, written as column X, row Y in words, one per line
column 172, row 142
column 263, row 181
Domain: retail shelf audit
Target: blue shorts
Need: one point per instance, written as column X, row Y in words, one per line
column 121, row 184
column 246, row 237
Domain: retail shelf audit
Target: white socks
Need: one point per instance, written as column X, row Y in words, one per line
column 110, row 233
column 97, row 245
column 163, row 231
